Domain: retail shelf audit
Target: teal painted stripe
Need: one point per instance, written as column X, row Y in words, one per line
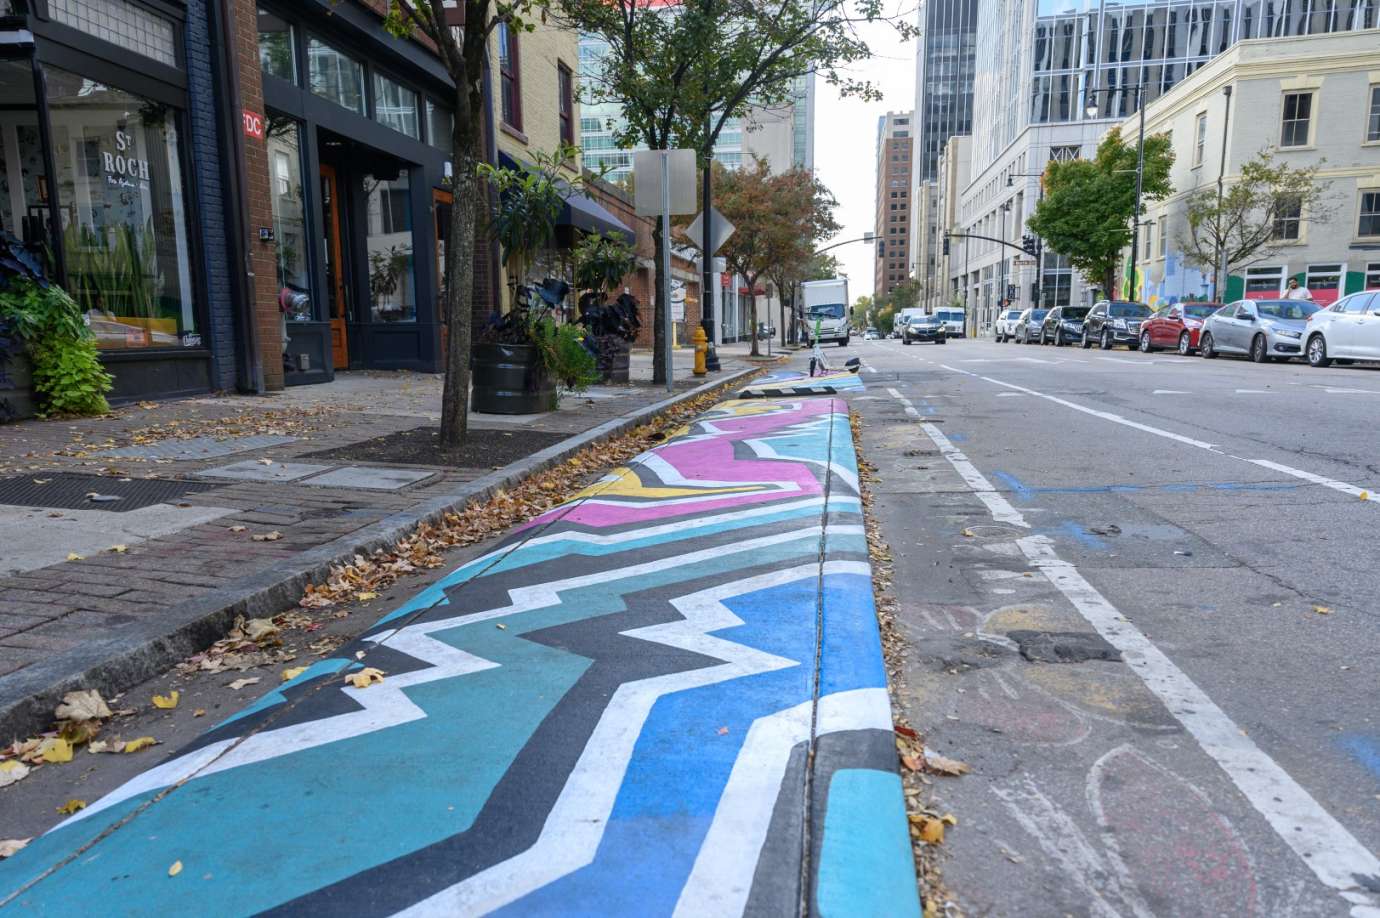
column 865, row 863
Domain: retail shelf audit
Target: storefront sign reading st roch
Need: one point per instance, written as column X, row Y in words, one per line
column 121, row 170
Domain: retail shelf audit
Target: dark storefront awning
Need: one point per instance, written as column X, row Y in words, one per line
column 580, row 211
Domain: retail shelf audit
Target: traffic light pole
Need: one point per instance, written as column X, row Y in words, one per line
column 1009, row 245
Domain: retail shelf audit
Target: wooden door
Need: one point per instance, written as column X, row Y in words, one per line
column 335, row 267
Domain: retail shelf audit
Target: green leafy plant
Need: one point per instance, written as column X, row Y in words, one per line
column 119, row 277
column 529, row 203
column 564, row 354
column 67, row 372
column 601, row 262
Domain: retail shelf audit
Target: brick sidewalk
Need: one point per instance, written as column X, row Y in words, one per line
column 202, row 544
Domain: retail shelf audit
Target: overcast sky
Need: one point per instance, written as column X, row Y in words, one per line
column 846, row 143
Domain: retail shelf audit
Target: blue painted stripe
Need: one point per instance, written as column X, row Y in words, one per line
column 865, row 862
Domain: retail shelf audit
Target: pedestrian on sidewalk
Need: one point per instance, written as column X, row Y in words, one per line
column 1295, row 292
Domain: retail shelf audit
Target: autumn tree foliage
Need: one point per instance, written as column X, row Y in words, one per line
column 779, row 220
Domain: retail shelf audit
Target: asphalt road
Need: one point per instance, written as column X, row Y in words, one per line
column 1140, row 595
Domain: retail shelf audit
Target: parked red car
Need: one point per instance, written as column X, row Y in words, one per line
column 1175, row 326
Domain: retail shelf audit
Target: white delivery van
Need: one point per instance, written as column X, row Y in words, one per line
column 826, row 309
column 953, row 317
column 905, row 315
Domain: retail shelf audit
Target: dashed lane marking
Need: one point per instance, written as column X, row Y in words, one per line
column 1331, row 852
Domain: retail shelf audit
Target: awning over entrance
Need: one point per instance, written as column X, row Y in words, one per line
column 580, row 211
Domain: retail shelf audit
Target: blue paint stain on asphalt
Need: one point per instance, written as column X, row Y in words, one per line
column 1015, row 484
column 1364, row 749
column 957, row 438
column 1027, row 492
column 1070, row 529
column 861, row 873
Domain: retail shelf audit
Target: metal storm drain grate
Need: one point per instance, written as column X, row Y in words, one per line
column 68, row 491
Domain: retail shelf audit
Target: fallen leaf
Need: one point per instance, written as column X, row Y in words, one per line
column 9, row 847
column 73, row 556
column 97, row 746
column 12, row 772
column 175, row 869
column 256, row 629
column 366, row 596
column 238, row 528
column 913, row 763
column 1365, row 495
column 931, row 830
column 906, row 731
column 949, row 819
column 241, row 683
column 365, row 677
column 55, row 750
column 199, row 712
column 81, row 706
column 118, row 549
column 167, row 701
column 723, row 731
column 142, row 742
column 293, row 673
column 273, row 536
column 943, row 765
column 71, row 806
column 1322, row 610
column 42, row 481
column 266, row 461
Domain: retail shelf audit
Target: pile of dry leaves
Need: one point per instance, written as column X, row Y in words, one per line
column 279, row 422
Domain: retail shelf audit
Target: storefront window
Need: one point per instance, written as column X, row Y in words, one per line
column 395, row 106
column 122, row 204
column 121, row 23
column 277, row 46
column 335, row 76
column 438, row 126
column 23, row 178
column 289, row 215
column 392, row 285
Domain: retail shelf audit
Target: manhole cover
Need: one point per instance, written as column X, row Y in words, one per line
column 67, row 491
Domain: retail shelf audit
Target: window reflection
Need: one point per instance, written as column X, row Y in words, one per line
column 289, row 215
column 392, row 286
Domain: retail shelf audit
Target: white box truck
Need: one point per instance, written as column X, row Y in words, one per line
column 826, row 310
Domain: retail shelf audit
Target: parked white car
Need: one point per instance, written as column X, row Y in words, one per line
column 1349, row 329
column 1005, row 326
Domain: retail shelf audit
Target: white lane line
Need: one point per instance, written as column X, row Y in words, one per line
column 998, row 506
column 1170, row 392
column 1010, row 395
column 1324, row 481
column 1252, row 391
column 870, row 369
column 1334, row 855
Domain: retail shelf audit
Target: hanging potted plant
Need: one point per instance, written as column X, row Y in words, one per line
column 601, row 263
column 521, row 357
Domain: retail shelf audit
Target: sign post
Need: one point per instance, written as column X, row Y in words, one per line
column 664, row 185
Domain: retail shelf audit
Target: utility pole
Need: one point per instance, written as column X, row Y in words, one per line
column 1219, row 272
column 709, row 292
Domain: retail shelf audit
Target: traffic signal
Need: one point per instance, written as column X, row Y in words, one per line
column 1028, row 244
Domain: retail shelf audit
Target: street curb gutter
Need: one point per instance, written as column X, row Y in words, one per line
column 29, row 696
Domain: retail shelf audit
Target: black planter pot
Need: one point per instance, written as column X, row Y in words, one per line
column 16, row 386
column 511, row 379
column 615, row 368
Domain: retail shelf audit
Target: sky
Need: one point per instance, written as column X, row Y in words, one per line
column 846, row 143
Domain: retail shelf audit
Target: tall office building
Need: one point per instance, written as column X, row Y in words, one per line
column 895, row 144
column 1040, row 64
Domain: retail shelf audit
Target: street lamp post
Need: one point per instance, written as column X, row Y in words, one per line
column 1091, row 109
column 1220, row 269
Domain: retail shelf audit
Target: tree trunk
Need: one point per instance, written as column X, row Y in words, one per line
column 659, row 312
column 464, row 216
column 752, row 316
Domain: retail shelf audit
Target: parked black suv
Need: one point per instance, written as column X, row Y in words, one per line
column 1063, row 325
column 1112, row 322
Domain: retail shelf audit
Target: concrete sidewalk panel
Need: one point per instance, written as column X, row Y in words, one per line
column 612, row 710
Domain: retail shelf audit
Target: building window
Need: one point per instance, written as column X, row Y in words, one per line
column 1373, row 122
column 335, row 76
column 392, row 286
column 277, row 46
column 121, row 23
column 1200, row 139
column 290, row 240
column 1369, row 224
column 395, row 106
column 565, row 92
column 1064, row 154
column 439, row 126
column 125, row 241
column 1298, row 113
column 1147, row 244
column 1164, row 236
column 1265, row 281
column 1324, row 279
column 1287, row 221
column 510, row 86
column 1373, row 276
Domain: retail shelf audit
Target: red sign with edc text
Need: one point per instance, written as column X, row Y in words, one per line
column 253, row 125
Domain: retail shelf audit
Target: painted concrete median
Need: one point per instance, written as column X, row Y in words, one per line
column 664, row 696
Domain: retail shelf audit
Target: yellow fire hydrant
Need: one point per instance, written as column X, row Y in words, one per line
column 701, row 349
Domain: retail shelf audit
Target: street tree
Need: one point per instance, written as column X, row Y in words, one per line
column 680, row 71
column 1252, row 220
column 1088, row 210
column 463, row 52
column 778, row 219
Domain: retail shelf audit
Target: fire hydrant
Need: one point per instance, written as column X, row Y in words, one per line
column 701, row 349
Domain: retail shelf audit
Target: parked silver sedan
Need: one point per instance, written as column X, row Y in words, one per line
column 1260, row 329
